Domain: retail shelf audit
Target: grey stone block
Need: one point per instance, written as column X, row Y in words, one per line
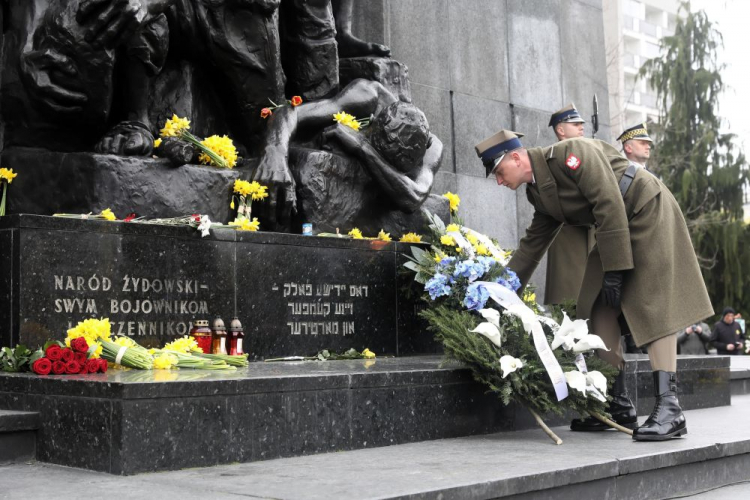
column 475, row 119
column 436, row 105
column 444, row 182
column 488, row 208
column 418, row 38
column 584, row 64
column 535, row 124
column 479, row 49
column 369, row 21
column 593, row 3
column 534, row 54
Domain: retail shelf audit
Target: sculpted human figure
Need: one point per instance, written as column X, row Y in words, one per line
column 349, row 45
column 60, row 91
column 74, row 48
column 396, row 150
column 315, row 33
column 235, row 43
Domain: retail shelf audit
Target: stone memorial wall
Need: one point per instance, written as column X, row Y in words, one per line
column 295, row 295
column 477, row 66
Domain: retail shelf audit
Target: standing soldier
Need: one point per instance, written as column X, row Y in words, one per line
column 643, row 265
column 566, row 258
column 636, row 144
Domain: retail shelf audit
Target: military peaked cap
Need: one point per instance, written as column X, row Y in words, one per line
column 635, row 132
column 569, row 114
column 492, row 149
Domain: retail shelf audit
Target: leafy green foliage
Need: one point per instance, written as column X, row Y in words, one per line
column 16, row 360
column 529, row 385
column 702, row 167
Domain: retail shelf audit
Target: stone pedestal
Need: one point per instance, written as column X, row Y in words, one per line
column 295, row 295
column 145, row 421
column 51, row 182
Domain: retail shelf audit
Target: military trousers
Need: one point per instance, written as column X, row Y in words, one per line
column 604, row 322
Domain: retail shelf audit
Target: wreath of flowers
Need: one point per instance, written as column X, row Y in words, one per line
column 459, row 272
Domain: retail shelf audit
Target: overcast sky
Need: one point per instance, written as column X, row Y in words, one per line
column 731, row 18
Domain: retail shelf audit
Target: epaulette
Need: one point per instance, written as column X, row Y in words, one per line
column 551, row 153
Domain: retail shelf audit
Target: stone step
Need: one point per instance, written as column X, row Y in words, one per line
column 18, row 435
column 155, row 420
column 521, row 465
column 740, row 375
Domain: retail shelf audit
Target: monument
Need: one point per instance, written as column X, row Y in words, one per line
column 86, row 87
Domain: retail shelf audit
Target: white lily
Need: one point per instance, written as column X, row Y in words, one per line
column 569, row 332
column 576, row 380
column 490, row 331
column 204, row 226
column 509, row 364
column 491, row 315
column 522, row 311
column 589, row 342
column 598, row 380
column 593, row 382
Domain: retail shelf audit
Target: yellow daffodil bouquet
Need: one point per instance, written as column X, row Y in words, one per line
column 356, row 234
column 245, row 193
column 511, row 345
column 350, row 121
column 6, row 177
column 215, row 150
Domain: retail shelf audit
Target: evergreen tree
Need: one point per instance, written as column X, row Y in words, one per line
column 700, row 164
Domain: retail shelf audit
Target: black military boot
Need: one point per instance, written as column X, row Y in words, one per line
column 621, row 409
column 667, row 420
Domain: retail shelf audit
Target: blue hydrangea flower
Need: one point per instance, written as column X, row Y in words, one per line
column 504, row 282
column 486, row 262
column 476, row 297
column 437, row 286
column 513, row 280
column 479, row 270
column 445, row 262
column 468, row 269
column 462, row 269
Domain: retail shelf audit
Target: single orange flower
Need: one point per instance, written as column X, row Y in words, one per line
column 296, row 100
column 265, row 113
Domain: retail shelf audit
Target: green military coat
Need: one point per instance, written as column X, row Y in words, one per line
column 644, row 234
column 566, row 263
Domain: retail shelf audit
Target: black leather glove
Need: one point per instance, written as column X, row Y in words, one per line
column 612, row 288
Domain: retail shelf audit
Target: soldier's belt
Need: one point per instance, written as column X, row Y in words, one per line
column 627, row 178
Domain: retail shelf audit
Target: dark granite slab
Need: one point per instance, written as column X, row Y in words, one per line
column 702, row 382
column 13, row 421
column 127, row 422
column 295, row 295
column 92, row 182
